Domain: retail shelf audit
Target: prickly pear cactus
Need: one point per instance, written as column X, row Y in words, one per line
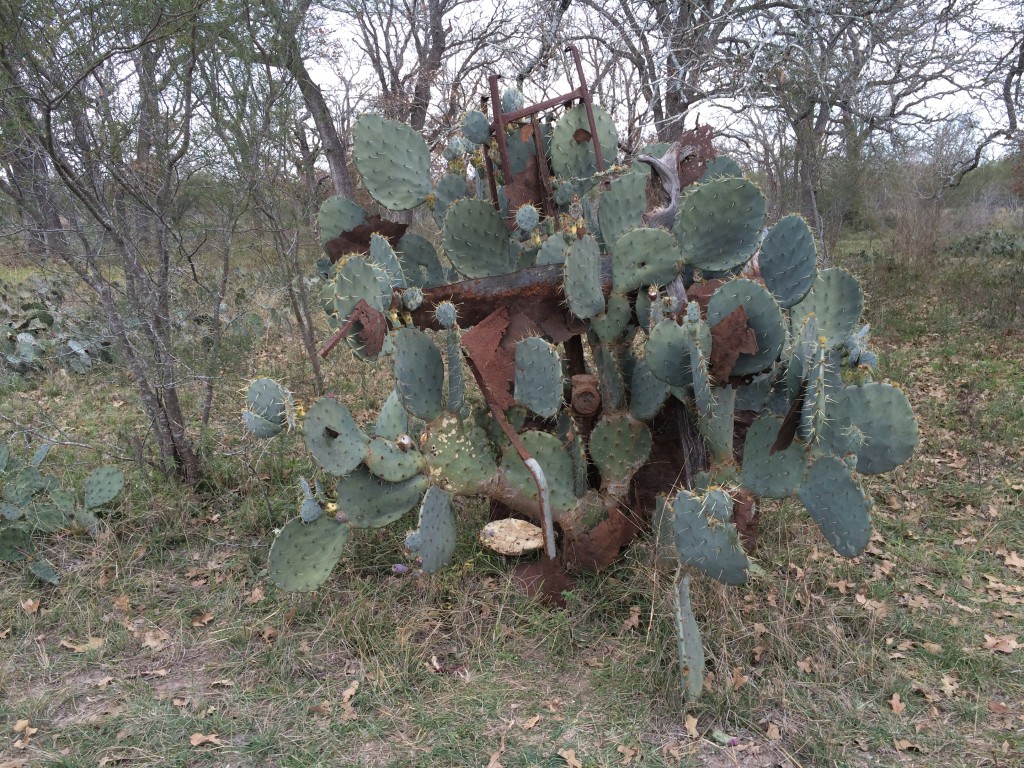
column 622, row 353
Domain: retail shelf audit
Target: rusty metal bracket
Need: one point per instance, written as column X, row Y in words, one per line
column 503, row 119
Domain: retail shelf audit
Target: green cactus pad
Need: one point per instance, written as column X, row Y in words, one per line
column 882, row 414
column 5, row 454
column 15, row 543
column 268, row 400
column 511, row 100
column 393, row 161
column 476, row 127
column 337, row 216
column 722, row 167
column 836, row 301
column 382, row 255
column 420, row 264
column 572, row 152
column 553, row 250
column 450, row 187
column 44, row 571
column 304, row 554
column 647, row 393
column 788, row 260
column 773, row 476
column 102, row 486
column 456, row 373
column 22, row 484
column 45, row 518
column 622, row 206
column 355, row 280
column 706, row 538
column 691, row 651
column 719, row 224
column 582, row 277
column 369, row 502
column 259, row 426
column 667, row 354
column 434, row 540
column 392, row 460
column 476, row 240
column 644, row 257
column 813, row 413
column 838, row 505
column 716, row 423
column 393, row 419
column 763, row 316
column 538, row 377
column 549, row 452
column 527, row 218
column 619, row 445
column 310, row 510
column 419, row 372
column 460, row 454
column 332, row 436
column 610, row 324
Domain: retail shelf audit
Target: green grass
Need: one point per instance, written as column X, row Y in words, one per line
column 451, row 669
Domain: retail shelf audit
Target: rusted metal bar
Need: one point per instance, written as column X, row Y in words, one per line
column 499, row 130
column 476, row 299
column 585, row 98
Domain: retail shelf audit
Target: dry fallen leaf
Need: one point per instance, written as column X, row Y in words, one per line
column 774, row 734
column 806, row 665
column 199, row 739
column 531, row 723
column 348, row 711
column 92, row 644
column 269, row 634
column 494, row 762
column 949, row 685
column 932, row 647
column 30, row 606
column 691, row 727
column 738, row 679
column 103, row 682
column 255, row 596
column 1001, row 643
column 905, row 745
column 155, row 639
column 634, row 619
column 628, row 753
column 121, row 603
column 569, row 755
column 897, row 705
column 998, row 708
column 202, row 619
column 1013, row 560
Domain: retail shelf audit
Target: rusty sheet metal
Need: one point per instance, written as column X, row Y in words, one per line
column 731, row 337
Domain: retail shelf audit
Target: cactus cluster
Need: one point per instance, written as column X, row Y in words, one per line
column 32, row 502
column 617, row 399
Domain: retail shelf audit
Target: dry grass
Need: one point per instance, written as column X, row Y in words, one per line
column 880, row 660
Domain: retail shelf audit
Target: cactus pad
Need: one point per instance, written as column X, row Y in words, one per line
column 538, row 377
column 572, row 151
column 476, row 240
column 619, row 445
column 102, row 486
column 393, row 161
column 644, row 257
column 420, row 264
column 461, row 454
column 582, row 278
column 773, row 476
column 838, row 505
column 393, row 419
column 15, row 543
column 622, row 206
column 719, row 224
column 647, row 393
column 337, row 216
column 450, row 187
column 304, row 554
column 475, row 127
column 558, row 470
column 837, row 302
column 611, row 323
column 333, row 438
column 393, row 460
column 763, row 316
column 706, row 538
column 789, row 261
column 882, row 415
column 368, row 502
column 419, row 371
column 667, row 354
column 434, row 540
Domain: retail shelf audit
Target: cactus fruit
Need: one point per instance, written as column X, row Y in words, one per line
column 446, row 314
column 393, row 160
column 434, row 540
column 304, row 554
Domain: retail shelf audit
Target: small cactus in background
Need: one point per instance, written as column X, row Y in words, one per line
column 679, row 349
column 31, row 502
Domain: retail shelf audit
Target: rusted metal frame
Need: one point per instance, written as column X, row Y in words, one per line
column 547, row 201
column 502, row 119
